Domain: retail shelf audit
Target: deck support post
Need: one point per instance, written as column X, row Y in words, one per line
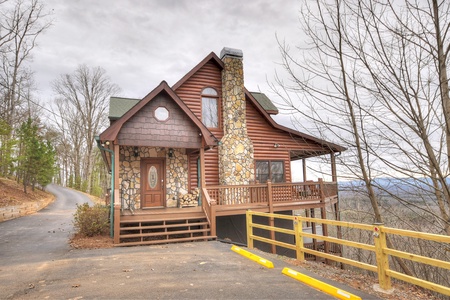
column 271, row 219
column 323, row 215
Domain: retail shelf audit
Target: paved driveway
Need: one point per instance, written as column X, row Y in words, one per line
column 37, row 263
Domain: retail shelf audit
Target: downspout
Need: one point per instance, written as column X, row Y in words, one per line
column 111, row 202
column 199, row 184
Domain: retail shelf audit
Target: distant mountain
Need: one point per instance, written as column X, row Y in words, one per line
column 391, row 185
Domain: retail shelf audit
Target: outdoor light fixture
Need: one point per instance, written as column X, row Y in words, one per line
column 136, row 151
column 170, row 152
column 107, row 143
column 276, row 145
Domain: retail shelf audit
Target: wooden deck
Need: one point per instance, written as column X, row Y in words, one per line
column 162, row 225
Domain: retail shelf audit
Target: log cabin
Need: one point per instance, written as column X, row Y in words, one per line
column 188, row 160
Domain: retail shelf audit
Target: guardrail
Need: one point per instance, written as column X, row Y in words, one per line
column 382, row 252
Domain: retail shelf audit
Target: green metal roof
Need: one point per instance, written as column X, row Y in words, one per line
column 119, row 106
column 265, row 102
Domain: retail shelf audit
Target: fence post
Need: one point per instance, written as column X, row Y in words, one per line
column 248, row 217
column 298, row 239
column 382, row 259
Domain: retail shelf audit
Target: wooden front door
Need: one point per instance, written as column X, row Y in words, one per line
column 152, row 184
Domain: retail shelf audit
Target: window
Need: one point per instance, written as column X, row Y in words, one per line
column 273, row 170
column 161, row 114
column 210, row 108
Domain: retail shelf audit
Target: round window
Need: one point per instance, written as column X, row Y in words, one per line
column 161, row 113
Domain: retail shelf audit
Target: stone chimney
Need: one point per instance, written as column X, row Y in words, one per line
column 236, row 162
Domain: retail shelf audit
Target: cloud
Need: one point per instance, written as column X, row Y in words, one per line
column 140, row 43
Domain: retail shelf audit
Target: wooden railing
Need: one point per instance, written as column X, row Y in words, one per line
column 272, row 192
column 209, row 207
column 382, row 252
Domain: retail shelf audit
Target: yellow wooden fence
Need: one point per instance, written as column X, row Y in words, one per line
column 382, row 252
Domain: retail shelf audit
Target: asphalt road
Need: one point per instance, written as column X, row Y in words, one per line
column 37, row 263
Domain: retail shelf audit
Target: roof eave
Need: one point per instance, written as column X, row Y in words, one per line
column 212, row 56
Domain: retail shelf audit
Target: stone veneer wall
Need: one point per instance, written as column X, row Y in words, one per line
column 236, row 162
column 130, row 173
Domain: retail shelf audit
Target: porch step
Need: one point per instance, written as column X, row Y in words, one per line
column 161, row 217
column 160, row 226
column 163, row 227
column 177, row 240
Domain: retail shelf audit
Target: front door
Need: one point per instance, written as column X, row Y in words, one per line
column 152, row 185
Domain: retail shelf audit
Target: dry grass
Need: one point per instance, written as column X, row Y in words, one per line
column 11, row 193
column 359, row 281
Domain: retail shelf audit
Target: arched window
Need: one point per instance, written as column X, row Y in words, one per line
column 210, row 107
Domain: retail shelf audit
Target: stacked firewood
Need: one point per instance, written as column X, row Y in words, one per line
column 190, row 199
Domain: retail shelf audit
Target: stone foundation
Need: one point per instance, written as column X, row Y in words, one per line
column 130, row 173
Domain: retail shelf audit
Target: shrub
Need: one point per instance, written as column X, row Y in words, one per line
column 91, row 220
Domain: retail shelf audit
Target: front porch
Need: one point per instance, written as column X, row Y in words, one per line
column 181, row 224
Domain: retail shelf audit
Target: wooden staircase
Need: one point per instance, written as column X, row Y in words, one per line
column 162, row 228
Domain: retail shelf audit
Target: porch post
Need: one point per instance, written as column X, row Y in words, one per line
column 115, row 203
column 202, row 165
column 304, row 169
column 333, row 167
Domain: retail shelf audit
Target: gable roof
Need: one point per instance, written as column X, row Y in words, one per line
column 212, row 56
column 111, row 133
column 330, row 146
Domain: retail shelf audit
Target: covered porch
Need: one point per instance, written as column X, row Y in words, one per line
column 199, row 221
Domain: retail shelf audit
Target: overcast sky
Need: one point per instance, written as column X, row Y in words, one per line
column 141, row 43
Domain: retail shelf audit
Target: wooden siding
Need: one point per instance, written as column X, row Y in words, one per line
column 264, row 138
column 210, row 75
column 144, row 130
column 260, row 131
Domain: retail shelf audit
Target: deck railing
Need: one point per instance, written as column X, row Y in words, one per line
column 215, row 198
column 279, row 192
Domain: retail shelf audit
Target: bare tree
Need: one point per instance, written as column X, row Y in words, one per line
column 373, row 76
column 83, row 101
column 21, row 22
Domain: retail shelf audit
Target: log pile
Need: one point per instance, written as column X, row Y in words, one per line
column 190, row 199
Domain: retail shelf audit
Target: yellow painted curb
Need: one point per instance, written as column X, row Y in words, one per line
column 321, row 286
column 266, row 263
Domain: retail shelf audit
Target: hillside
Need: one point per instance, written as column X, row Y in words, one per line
column 11, row 193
